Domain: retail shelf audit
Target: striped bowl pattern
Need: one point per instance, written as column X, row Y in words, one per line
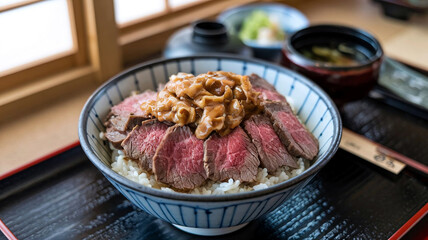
column 312, row 105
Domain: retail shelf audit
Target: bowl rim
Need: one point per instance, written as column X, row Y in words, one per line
column 343, row 29
column 106, row 170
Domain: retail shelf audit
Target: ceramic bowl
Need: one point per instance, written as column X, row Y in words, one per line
column 214, row 214
column 343, row 83
column 289, row 18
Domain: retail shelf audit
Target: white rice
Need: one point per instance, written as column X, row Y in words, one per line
column 130, row 170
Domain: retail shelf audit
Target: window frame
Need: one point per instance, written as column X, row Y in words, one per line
column 32, row 71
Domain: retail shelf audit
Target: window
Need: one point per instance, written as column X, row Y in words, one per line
column 38, row 39
column 131, row 11
column 44, row 31
column 180, row 3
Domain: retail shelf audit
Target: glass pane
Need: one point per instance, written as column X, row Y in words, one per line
column 178, row 3
column 33, row 32
column 128, row 10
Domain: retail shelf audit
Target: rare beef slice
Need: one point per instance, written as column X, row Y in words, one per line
column 142, row 142
column 125, row 116
column 178, row 161
column 231, row 156
column 298, row 140
column 272, row 152
column 267, row 90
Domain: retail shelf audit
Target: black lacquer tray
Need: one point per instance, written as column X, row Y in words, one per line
column 66, row 197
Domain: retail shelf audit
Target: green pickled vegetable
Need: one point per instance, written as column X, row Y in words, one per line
column 256, row 21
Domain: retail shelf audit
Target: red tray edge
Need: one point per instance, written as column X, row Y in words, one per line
column 6, row 231
column 39, row 160
column 410, row 223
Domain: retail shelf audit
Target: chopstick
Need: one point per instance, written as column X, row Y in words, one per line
column 378, row 154
column 410, row 162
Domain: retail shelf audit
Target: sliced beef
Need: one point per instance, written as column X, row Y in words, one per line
column 292, row 133
column 267, row 90
column 142, row 142
column 179, row 159
column 298, row 140
column 128, row 112
column 232, row 156
column 270, row 95
column 259, row 82
column 125, row 116
column 272, row 152
column 115, row 137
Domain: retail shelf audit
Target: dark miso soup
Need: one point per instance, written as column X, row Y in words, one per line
column 336, row 54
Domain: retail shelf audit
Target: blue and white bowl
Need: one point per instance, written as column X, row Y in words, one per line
column 214, row 214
